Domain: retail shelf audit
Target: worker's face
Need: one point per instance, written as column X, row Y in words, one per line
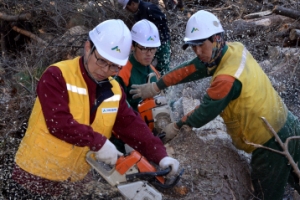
column 133, row 7
column 144, row 55
column 98, row 67
column 204, row 51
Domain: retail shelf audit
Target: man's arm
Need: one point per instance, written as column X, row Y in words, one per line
column 132, row 130
column 222, row 90
column 53, row 96
column 186, row 72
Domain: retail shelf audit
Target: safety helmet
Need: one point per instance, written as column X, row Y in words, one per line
column 112, row 40
column 201, row 26
column 145, row 33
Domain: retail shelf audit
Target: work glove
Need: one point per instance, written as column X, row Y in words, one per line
column 144, row 91
column 108, row 153
column 171, row 131
column 169, row 162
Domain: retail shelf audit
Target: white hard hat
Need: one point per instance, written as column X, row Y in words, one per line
column 123, row 3
column 112, row 40
column 145, row 33
column 201, row 26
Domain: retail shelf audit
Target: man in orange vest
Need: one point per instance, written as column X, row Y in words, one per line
column 145, row 41
column 147, row 10
column 78, row 105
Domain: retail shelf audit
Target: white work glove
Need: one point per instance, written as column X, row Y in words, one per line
column 169, row 162
column 108, row 153
column 144, row 91
column 171, row 132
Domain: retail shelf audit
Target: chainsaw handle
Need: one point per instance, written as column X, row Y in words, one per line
column 148, row 174
column 167, row 186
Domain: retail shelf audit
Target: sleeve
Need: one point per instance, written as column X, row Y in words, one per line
column 223, row 89
column 132, row 130
column 188, row 71
column 52, row 93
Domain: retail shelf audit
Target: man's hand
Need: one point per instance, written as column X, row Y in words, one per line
column 171, row 131
column 108, row 153
column 144, row 91
column 169, row 162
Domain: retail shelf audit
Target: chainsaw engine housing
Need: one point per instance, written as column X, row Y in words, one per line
column 156, row 113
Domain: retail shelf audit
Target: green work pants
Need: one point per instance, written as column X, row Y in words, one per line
column 270, row 171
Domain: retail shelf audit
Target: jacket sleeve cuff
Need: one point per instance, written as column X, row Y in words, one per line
column 98, row 142
column 160, row 84
column 179, row 124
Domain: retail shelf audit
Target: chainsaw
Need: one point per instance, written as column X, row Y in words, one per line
column 155, row 112
column 132, row 175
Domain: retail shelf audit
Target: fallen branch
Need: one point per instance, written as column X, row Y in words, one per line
column 295, row 14
column 258, row 14
column 22, row 17
column 29, row 34
column 284, row 146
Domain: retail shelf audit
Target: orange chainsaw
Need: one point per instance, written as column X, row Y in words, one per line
column 132, row 175
column 155, row 112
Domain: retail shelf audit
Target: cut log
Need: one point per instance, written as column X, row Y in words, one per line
column 295, row 14
column 295, row 34
column 251, row 27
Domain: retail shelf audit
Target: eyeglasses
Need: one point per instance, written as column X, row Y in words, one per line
column 147, row 49
column 103, row 63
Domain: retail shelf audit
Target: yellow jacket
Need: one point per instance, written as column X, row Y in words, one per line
column 42, row 154
column 243, row 115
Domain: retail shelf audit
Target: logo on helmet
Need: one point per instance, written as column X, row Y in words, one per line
column 194, row 29
column 116, row 48
column 216, row 23
column 150, row 38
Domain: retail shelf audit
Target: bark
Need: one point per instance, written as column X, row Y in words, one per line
column 295, row 14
